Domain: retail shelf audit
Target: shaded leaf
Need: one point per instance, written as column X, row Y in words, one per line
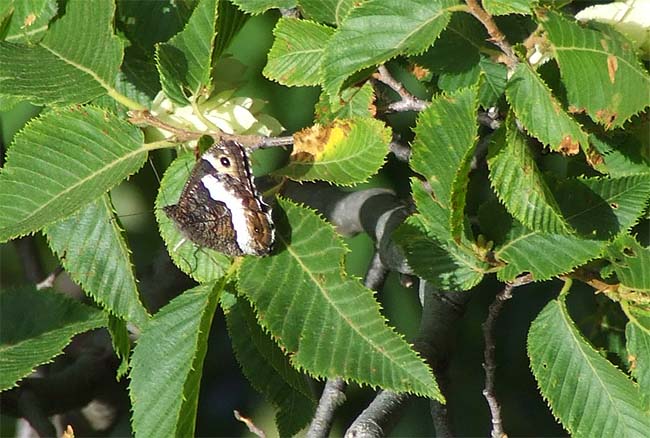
column 355, row 102
column 362, row 40
column 621, row 156
column 618, row 86
column 590, row 396
column 88, row 151
column 445, row 137
column 637, row 334
column 93, row 251
column 202, row 264
column 448, row 266
column 56, row 72
column 328, row 322
column 35, row 326
column 168, row 362
column 185, row 62
column 631, row 262
column 519, row 184
column 121, row 344
column 295, row 58
column 269, row 370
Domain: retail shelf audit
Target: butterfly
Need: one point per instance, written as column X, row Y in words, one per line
column 220, row 207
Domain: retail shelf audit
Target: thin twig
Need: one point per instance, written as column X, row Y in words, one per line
column 496, row 36
column 249, row 423
column 407, row 101
column 332, row 397
column 401, row 152
column 489, row 364
column 50, row 279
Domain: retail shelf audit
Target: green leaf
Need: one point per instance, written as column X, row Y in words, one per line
column 621, row 155
column 344, row 153
column 601, row 208
column 258, row 6
column 56, row 72
column 631, row 262
column 121, row 343
column 448, row 266
column 445, row 138
column 600, row 70
column 494, row 83
column 168, row 363
column 543, row 255
column 268, row 369
column 35, row 326
column 354, row 102
column 326, row 320
column 637, row 334
column 202, row 264
column 30, row 19
column 185, row 62
column 60, row 162
column 93, row 251
column 590, row 396
column 327, row 11
column 498, row 7
column 295, row 58
column 362, row 41
column 541, row 114
column 519, row 184
column 126, row 88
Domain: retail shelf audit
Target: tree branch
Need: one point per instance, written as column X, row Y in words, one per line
column 332, row 397
column 407, row 101
column 496, row 36
column 489, row 364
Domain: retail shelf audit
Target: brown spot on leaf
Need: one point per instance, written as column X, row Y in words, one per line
column 604, row 45
column 606, row 117
column 310, row 143
column 632, row 361
column 29, row 20
column 594, row 158
column 575, row 110
column 614, row 206
column 419, row 72
column 612, row 66
column 569, row 146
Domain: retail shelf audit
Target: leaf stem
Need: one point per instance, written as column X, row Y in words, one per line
column 126, row 101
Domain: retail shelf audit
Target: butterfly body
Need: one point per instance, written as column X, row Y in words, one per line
column 220, row 208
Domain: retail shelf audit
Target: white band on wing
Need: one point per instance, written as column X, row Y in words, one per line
column 237, row 211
